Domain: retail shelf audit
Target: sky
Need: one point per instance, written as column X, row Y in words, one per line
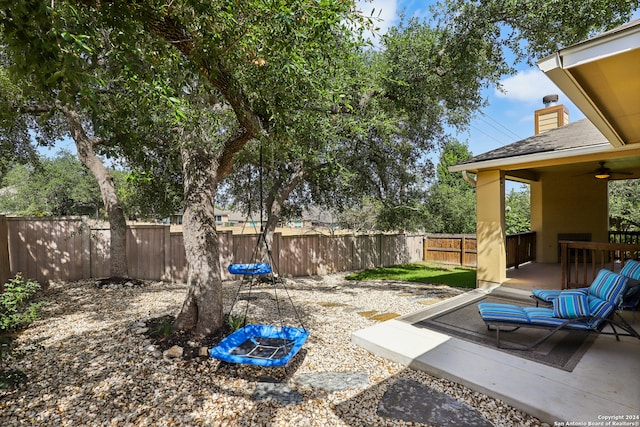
column 509, row 115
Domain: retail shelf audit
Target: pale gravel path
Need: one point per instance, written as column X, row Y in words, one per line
column 90, row 368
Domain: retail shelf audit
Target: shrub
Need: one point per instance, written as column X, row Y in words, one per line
column 236, row 322
column 163, row 328
column 16, row 312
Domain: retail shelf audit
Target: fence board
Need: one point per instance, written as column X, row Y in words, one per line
column 70, row 249
column 99, row 262
column 178, row 266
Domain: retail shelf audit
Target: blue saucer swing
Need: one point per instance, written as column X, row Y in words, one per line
column 258, row 268
column 260, row 345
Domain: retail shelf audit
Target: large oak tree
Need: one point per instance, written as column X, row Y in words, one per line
column 232, row 46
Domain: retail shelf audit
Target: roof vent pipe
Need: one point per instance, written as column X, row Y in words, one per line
column 550, row 100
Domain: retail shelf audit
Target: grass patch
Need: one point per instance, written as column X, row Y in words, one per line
column 436, row 274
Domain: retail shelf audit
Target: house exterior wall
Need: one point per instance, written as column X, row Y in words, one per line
column 563, row 204
column 492, row 264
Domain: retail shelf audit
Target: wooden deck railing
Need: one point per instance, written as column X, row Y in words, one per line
column 631, row 237
column 581, row 261
column 521, row 248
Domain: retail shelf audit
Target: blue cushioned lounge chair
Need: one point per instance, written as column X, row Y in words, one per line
column 630, row 300
column 572, row 310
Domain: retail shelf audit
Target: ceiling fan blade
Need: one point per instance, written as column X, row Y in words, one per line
column 621, row 173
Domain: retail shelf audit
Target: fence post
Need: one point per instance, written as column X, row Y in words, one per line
column 425, row 248
column 463, row 250
column 166, row 238
column 5, row 268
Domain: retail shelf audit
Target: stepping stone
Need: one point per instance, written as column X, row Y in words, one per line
column 384, row 316
column 368, row 314
column 428, row 301
column 412, row 401
column 276, row 391
column 332, row 304
column 405, row 294
column 334, row 381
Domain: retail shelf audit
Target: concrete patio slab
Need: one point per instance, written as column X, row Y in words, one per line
column 605, row 382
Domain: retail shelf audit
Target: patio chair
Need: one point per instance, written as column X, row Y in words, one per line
column 572, row 310
column 630, row 300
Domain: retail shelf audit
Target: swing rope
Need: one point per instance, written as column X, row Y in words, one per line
column 256, row 344
column 274, row 274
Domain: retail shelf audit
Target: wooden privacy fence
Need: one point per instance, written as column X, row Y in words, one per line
column 461, row 249
column 70, row 249
column 521, row 248
column 458, row 249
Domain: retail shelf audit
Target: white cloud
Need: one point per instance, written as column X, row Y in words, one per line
column 528, row 86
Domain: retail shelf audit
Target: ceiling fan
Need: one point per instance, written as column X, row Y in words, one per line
column 604, row 172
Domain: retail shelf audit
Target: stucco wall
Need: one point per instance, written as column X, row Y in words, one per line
column 492, row 264
column 562, row 205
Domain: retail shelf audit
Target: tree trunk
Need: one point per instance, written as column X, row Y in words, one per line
column 117, row 222
column 202, row 170
column 275, row 201
column 202, row 310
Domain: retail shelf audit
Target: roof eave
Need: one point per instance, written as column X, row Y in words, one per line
column 558, row 68
column 552, row 67
column 527, row 160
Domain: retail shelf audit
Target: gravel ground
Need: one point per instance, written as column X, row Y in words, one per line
column 89, row 363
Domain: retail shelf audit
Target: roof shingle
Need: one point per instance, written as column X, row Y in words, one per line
column 579, row 134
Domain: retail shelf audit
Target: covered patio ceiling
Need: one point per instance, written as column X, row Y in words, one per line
column 601, row 76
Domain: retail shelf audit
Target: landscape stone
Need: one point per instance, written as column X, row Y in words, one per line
column 367, row 314
column 412, row 401
column 174, row 352
column 276, row 391
column 384, row 316
column 334, row 381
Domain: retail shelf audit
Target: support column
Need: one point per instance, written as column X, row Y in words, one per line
column 492, row 254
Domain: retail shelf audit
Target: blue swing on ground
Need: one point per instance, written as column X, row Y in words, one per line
column 260, row 345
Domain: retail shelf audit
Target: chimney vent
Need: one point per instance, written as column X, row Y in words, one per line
column 550, row 100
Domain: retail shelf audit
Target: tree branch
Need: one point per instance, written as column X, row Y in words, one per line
column 231, row 147
column 36, row 109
